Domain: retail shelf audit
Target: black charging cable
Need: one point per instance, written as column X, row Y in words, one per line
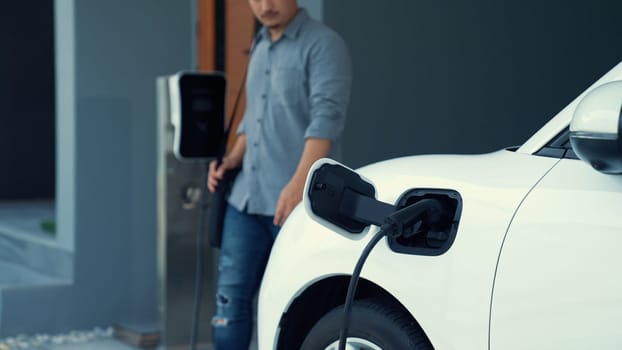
column 399, row 223
column 200, row 264
column 343, row 334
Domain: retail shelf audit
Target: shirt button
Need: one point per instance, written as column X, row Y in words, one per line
column 267, row 72
column 255, row 144
column 264, row 96
column 253, row 168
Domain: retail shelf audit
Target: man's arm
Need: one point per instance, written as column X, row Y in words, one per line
column 232, row 160
column 291, row 194
column 330, row 76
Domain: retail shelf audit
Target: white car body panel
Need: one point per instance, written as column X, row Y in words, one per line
column 465, row 273
column 573, row 300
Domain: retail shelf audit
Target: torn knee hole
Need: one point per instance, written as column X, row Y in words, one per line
column 222, row 299
column 220, row 321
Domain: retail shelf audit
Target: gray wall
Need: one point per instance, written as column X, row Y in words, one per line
column 108, row 56
column 314, row 7
column 466, row 77
column 121, row 46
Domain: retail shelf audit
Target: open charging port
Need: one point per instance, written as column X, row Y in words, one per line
column 429, row 239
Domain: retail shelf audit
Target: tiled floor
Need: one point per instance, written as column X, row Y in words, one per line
column 99, row 344
column 104, row 343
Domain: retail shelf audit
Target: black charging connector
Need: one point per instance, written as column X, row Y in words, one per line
column 406, row 221
column 403, row 222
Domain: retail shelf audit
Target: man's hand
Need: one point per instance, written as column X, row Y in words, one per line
column 232, row 160
column 216, row 173
column 290, row 196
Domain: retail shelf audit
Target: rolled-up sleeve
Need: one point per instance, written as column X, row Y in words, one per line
column 330, row 77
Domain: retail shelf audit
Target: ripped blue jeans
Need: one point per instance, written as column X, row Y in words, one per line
column 246, row 243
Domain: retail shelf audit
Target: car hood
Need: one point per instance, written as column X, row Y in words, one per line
column 500, row 171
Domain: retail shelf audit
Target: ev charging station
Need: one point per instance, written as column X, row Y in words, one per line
column 191, row 113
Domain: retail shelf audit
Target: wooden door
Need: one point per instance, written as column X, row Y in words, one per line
column 225, row 32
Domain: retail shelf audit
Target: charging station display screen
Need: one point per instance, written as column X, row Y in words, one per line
column 202, row 115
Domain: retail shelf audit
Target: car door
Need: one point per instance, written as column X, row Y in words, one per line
column 558, row 283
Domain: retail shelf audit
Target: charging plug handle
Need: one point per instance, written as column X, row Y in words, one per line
column 401, row 222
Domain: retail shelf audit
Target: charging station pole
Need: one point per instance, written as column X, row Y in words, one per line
column 178, row 203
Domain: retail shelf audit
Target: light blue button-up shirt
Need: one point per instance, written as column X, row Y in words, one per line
column 297, row 88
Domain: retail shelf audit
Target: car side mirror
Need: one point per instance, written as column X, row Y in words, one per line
column 596, row 128
column 340, row 199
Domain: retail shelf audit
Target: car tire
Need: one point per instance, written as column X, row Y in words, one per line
column 375, row 324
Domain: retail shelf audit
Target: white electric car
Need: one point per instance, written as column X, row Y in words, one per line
column 523, row 255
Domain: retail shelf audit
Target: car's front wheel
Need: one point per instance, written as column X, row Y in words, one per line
column 375, row 324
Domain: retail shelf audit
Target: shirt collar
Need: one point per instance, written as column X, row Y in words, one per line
column 292, row 29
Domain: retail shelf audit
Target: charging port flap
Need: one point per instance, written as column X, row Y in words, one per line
column 340, row 199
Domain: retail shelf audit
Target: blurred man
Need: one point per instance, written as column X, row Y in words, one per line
column 298, row 89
